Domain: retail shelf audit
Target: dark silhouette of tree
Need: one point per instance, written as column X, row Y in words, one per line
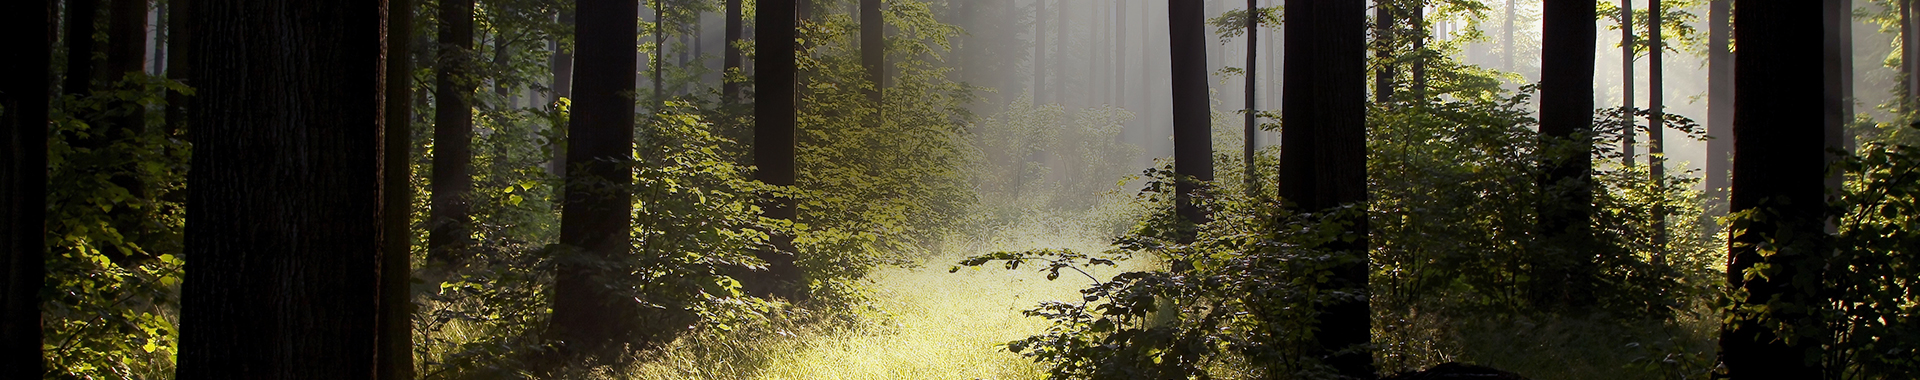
column 1778, row 169
column 1421, row 33
column 1566, row 133
column 1253, row 88
column 1324, row 166
column 283, row 223
column 1628, row 128
column 775, row 85
column 1719, row 104
column 1656, row 124
column 733, row 60
column 81, row 15
column 1909, row 56
column 1383, row 40
column 126, row 59
column 562, row 88
column 590, row 317
column 873, row 50
column 23, row 183
column 655, row 65
column 452, row 183
column 1838, row 80
column 179, row 31
column 1192, row 119
column 396, row 211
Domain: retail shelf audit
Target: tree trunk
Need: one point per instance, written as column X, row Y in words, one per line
column 178, row 49
column 1838, row 82
column 1120, row 72
column 589, row 316
column 1778, row 168
column 1253, row 87
column 81, row 17
column 1383, row 35
column 126, row 38
column 1192, row 119
column 452, row 190
column 1039, row 51
column 23, row 184
column 284, row 220
column 1909, row 56
column 1629, row 122
column 1656, row 125
column 1719, row 105
column 1420, row 35
column 562, row 88
column 1566, row 132
column 395, row 360
column 126, row 59
column 659, row 44
column 1325, row 163
column 774, row 137
column 873, row 48
column 731, row 89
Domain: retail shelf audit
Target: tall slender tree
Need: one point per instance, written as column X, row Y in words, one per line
column 1909, row 55
column 23, row 183
column 284, row 220
column 873, row 51
column 732, row 61
column 590, row 317
column 395, row 350
column 1421, row 32
column 657, row 61
column 562, row 88
column 1778, row 169
column 1383, row 41
column 81, row 18
column 774, row 138
column 452, row 183
column 1838, row 80
column 1253, row 88
column 1628, row 122
column 1656, row 124
column 1325, row 163
column 1192, row 120
column 1566, row 133
column 179, row 32
column 1719, row 104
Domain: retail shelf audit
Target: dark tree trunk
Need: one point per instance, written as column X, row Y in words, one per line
column 873, row 48
column 1039, row 51
column 1566, row 133
column 284, row 220
column 775, row 86
column 590, row 317
column 1420, row 35
column 733, row 59
column 452, row 182
column 1629, row 122
column 126, row 38
column 656, row 65
column 126, row 59
column 178, row 49
column 1719, row 105
column 1192, row 119
column 1656, row 125
column 1909, row 56
column 1778, row 167
column 23, row 183
column 1325, row 163
column 1839, row 84
column 81, row 15
column 562, row 88
column 396, row 271
column 1383, row 35
column 1253, row 87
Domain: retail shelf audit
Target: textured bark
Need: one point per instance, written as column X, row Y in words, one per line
column 1192, row 119
column 774, row 137
column 589, row 317
column 23, row 183
column 1778, row 167
column 452, row 183
column 283, row 223
column 873, row 49
column 1324, row 164
column 396, row 273
column 1566, row 129
column 1719, row 105
column 81, row 17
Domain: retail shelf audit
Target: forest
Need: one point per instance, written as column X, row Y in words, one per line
column 960, row 189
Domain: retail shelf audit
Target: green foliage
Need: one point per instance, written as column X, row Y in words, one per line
column 1676, row 27
column 115, row 197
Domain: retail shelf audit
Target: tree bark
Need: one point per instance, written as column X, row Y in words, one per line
column 1838, row 80
column 733, row 59
column 1324, row 164
column 659, row 57
column 589, row 317
column 873, row 48
column 1629, row 123
column 1656, row 125
column 283, row 223
column 774, row 137
column 1909, row 56
column 81, row 15
column 1719, row 105
column 1253, row 88
column 1192, row 119
column 179, row 31
column 1420, row 35
column 448, row 231
column 562, row 88
column 23, row 183
column 1383, row 35
column 1778, row 168
column 395, row 360
column 1566, row 133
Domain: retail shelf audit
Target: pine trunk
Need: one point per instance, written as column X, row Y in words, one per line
column 452, row 138
column 733, row 60
column 1628, row 121
column 590, row 317
column 81, row 18
column 395, row 360
column 23, row 184
column 284, row 220
column 1192, row 119
column 1253, row 88
column 1719, row 105
column 1566, row 132
column 774, row 137
column 1656, row 124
